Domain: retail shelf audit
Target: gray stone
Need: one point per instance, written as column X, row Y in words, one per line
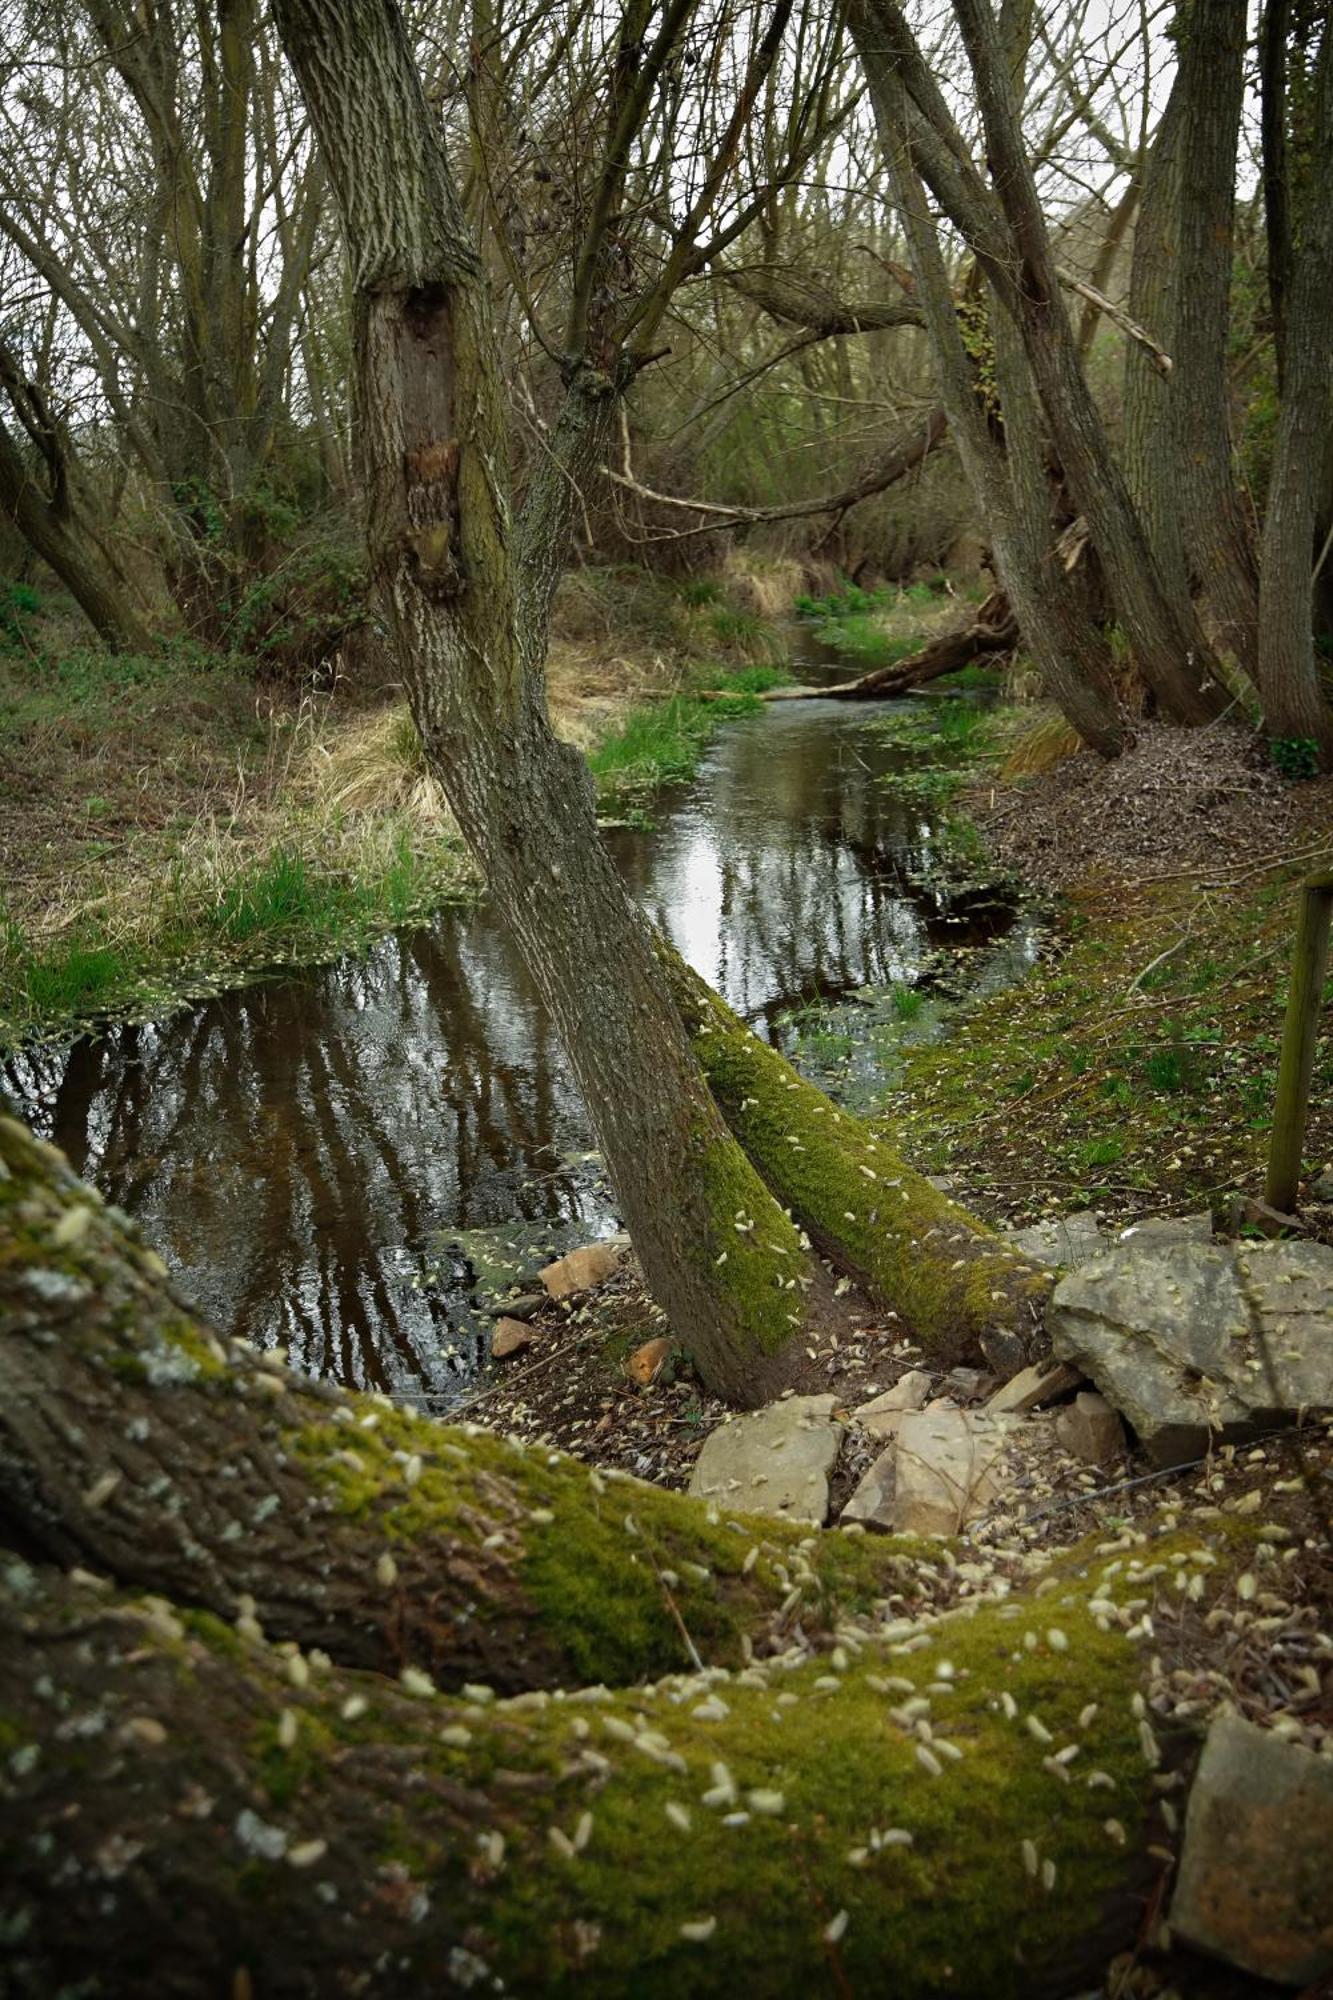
column 1069, row 1240
column 969, row 1384
column 946, row 1469
column 882, row 1416
column 872, row 1501
column 526, row 1306
column 1189, row 1340
column 1042, row 1383
column 1090, row 1429
column 1321, row 1187
column 1170, row 1229
column 1005, row 1350
column 774, row 1461
column 1254, row 1886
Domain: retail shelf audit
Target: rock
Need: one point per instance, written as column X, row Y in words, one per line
column 872, row 1502
column 882, row 1416
column 1069, row 1240
column 1004, row 1349
column 946, row 1467
column 775, row 1461
column 969, row 1384
column 511, row 1336
column 1254, row 1874
column 1042, row 1383
column 646, row 1362
column 1170, row 1229
column 1321, row 1187
column 1090, row 1429
column 580, row 1270
column 1189, row 1340
column 526, row 1306
column 1247, row 1211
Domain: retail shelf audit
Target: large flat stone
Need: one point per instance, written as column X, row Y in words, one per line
column 946, row 1469
column 1191, row 1340
column 774, row 1461
column 1255, row 1884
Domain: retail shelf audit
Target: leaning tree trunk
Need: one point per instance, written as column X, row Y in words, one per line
column 1069, row 651
column 1151, row 420
column 72, row 556
column 957, row 1286
column 247, row 1780
column 993, row 631
column 467, row 596
column 1294, row 702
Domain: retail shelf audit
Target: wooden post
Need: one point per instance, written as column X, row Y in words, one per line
column 1309, row 965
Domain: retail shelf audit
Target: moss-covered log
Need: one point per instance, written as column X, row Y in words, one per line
column 134, row 1440
column 192, row 1813
column 954, row 1282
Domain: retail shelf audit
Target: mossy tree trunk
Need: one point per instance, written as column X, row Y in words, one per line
column 201, row 1793
column 958, row 1288
column 467, row 589
column 135, row 1440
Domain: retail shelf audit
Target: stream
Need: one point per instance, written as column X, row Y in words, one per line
column 334, row 1159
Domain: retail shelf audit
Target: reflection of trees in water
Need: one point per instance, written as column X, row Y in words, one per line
column 286, row 1146
column 294, row 1148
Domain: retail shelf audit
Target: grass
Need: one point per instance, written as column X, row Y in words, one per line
column 1112, row 1081
column 662, row 744
column 171, row 829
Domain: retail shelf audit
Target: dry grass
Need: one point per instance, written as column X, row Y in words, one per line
column 1040, row 748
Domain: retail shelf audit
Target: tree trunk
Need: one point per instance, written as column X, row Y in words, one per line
column 994, row 630
column 467, row 597
column 1211, row 46
column 1069, row 652
column 1152, row 409
column 1164, row 635
column 209, row 1474
column 1294, row 703
column 71, row 555
column 957, row 1286
column 194, row 1805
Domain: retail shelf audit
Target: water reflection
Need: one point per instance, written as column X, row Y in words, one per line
column 295, row 1149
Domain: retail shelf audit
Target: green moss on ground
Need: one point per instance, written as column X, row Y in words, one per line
column 1120, row 1081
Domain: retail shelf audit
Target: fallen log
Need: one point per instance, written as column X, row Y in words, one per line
column 136, row 1441
column 957, row 1286
column 189, row 1813
column 994, row 630
column 967, row 1800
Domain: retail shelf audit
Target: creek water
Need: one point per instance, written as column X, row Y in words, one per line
column 332, row 1158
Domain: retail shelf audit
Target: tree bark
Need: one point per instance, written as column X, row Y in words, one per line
column 203, row 1790
column 467, row 594
column 957, row 1286
column 1152, row 410
column 1211, row 45
column 1294, row 703
column 54, row 536
column 135, row 1441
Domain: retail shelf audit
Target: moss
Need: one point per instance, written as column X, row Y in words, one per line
column 956, row 1912
column 590, row 1554
column 767, row 1267
column 284, row 1771
column 927, row 1258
